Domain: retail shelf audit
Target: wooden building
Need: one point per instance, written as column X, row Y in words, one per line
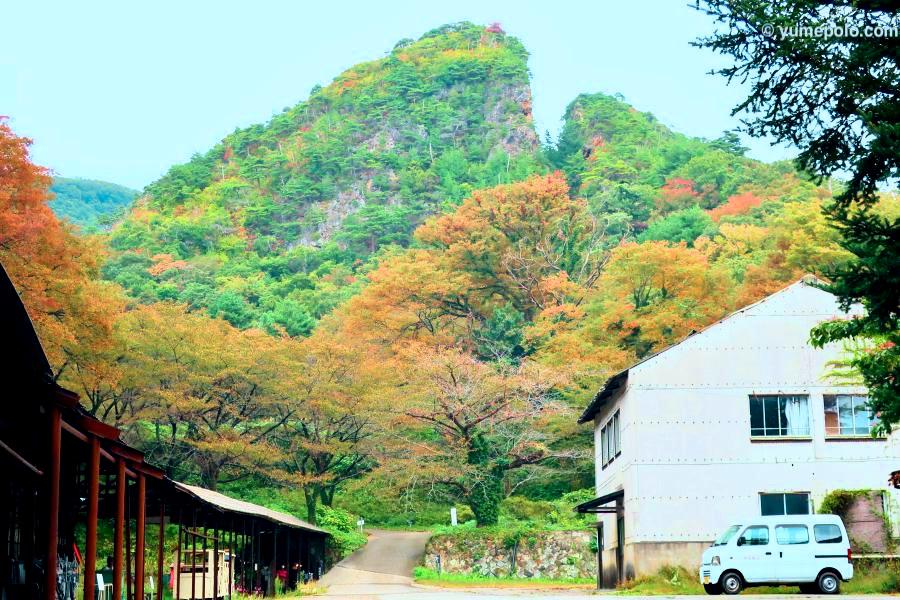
column 64, row 471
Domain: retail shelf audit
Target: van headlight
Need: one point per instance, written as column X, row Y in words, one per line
column 715, row 561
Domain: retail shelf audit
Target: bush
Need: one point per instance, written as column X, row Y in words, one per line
column 345, row 538
column 838, row 502
column 891, row 583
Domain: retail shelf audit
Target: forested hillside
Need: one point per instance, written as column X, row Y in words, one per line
column 392, row 291
column 270, row 227
column 89, row 203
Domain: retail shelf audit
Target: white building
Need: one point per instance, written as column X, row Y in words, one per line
column 736, row 421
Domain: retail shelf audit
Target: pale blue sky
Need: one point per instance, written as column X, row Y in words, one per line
column 122, row 90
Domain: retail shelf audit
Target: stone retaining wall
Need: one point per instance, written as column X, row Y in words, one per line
column 548, row 554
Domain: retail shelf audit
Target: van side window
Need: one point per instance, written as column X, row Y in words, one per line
column 757, row 535
column 791, row 534
column 828, row 534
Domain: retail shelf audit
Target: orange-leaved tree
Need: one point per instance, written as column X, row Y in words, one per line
column 328, row 440
column 211, row 396
column 463, row 425
column 53, row 270
column 654, row 293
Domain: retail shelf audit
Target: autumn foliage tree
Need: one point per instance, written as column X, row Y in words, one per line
column 654, row 293
column 210, row 396
column 329, row 438
column 52, row 269
column 465, row 424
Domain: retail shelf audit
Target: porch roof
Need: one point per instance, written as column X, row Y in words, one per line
column 597, row 504
column 233, row 505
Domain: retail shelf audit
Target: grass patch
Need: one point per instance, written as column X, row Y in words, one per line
column 671, row 581
column 667, row 581
column 432, row 577
column 303, row 589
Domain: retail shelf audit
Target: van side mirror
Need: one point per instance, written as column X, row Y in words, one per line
column 741, row 541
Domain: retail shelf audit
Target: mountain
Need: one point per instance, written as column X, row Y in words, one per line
column 271, row 225
column 281, row 222
column 640, row 177
column 87, row 202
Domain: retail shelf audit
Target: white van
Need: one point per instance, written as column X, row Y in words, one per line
column 812, row 551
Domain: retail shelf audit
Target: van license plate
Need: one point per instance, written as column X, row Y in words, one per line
column 706, row 579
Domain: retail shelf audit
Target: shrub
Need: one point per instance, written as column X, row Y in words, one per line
column 838, row 502
column 344, row 539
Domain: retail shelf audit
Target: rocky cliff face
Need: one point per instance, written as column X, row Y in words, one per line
column 275, row 220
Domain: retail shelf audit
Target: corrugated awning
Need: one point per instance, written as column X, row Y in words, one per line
column 228, row 504
column 597, row 504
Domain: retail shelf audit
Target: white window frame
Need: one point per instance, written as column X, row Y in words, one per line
column 610, row 440
column 854, row 409
column 774, row 436
column 784, row 495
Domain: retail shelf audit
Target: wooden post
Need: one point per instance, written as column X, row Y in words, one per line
column 287, row 583
column 253, row 562
column 178, row 557
column 119, row 535
column 215, row 561
column 53, row 500
column 139, row 537
column 205, row 563
column 230, row 558
column 193, row 535
column 161, row 549
column 90, row 558
column 273, row 566
column 128, row 554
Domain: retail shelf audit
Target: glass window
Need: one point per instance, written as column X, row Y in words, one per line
column 603, row 449
column 727, row 535
column 847, row 414
column 796, row 503
column 610, row 440
column 788, row 535
column 828, row 534
column 757, row 535
column 779, row 415
column 618, row 444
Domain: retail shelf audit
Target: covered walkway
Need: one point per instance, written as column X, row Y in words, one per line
column 66, row 472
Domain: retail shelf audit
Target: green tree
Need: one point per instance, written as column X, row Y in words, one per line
column 837, row 99
column 684, row 225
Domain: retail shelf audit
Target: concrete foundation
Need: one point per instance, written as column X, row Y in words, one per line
column 647, row 558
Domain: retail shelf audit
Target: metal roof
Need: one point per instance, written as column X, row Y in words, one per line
column 229, row 504
column 618, row 379
column 596, row 505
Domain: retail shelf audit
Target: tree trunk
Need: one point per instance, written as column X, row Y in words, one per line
column 485, row 498
column 312, row 499
column 209, row 475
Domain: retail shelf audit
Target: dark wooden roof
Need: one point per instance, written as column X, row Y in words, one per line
column 22, row 357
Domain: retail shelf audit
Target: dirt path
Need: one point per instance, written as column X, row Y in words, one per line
column 383, row 566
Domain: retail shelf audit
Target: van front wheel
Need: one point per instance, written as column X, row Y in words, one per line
column 731, row 583
column 828, row 583
column 713, row 589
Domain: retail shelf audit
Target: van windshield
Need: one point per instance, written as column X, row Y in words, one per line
column 727, row 535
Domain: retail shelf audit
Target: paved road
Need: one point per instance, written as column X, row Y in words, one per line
column 382, row 570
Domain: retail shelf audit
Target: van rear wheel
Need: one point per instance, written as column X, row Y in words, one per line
column 731, row 583
column 828, row 583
